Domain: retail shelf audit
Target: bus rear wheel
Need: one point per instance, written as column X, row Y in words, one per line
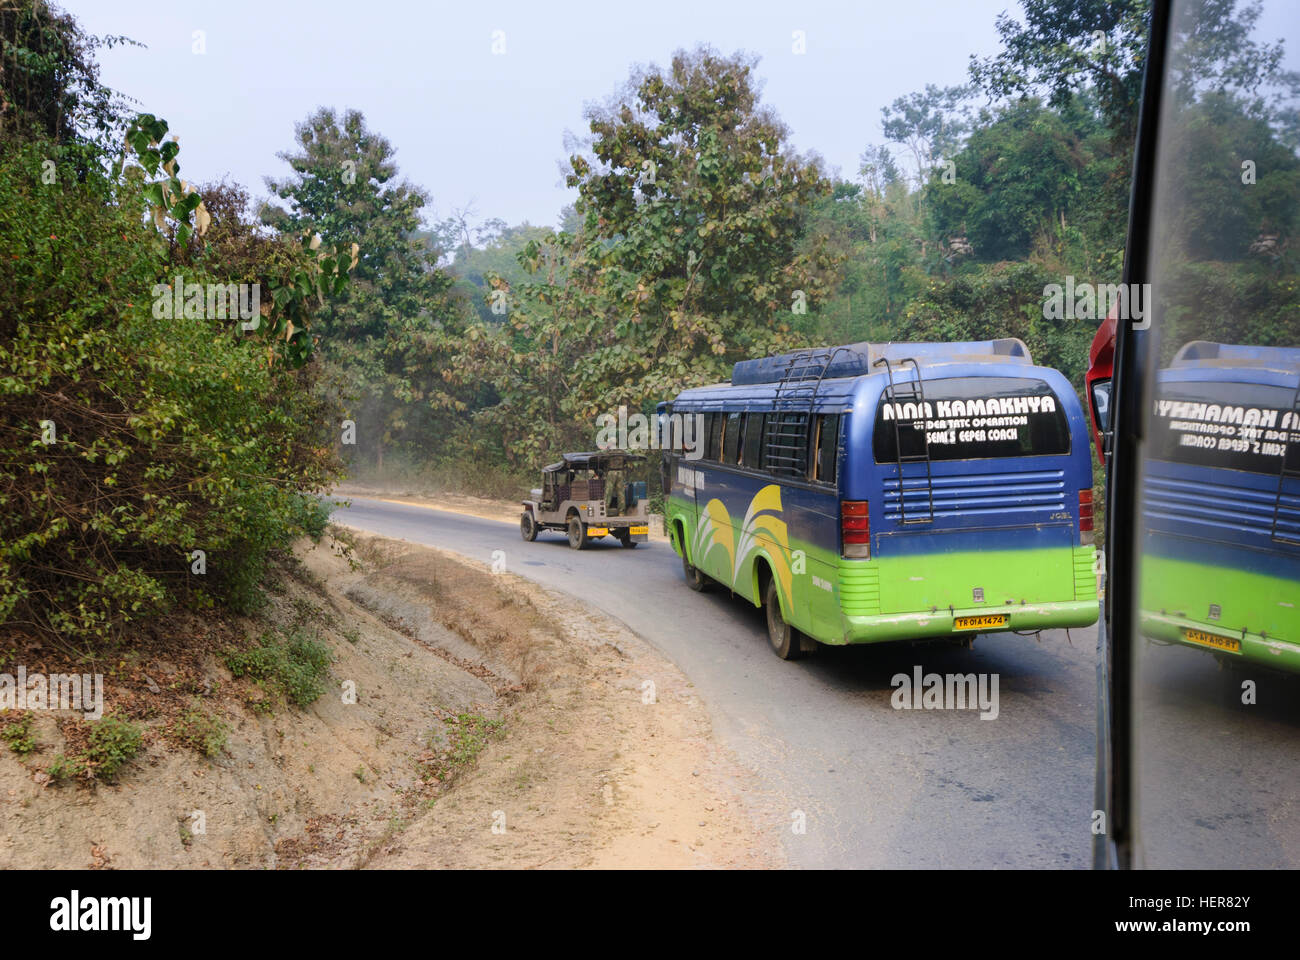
column 577, row 533
column 694, row 579
column 784, row 638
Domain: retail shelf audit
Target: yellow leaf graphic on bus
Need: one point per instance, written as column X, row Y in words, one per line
column 714, row 531
column 763, row 522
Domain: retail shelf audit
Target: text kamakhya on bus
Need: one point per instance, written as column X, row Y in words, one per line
column 879, row 492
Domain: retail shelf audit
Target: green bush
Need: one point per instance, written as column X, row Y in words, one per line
column 169, row 435
column 293, row 665
column 112, row 743
column 202, row 732
column 17, row 732
column 467, row 735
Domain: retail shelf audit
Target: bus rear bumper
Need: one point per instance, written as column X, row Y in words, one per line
column 925, row 626
column 1266, row 651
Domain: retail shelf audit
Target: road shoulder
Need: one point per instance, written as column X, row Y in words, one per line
column 607, row 759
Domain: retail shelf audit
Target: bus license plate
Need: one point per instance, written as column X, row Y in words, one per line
column 980, row 623
column 1203, row 639
column 640, row 531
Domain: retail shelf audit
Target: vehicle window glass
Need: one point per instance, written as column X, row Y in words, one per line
column 826, row 446
column 1216, row 617
column 731, row 444
column 785, row 444
column 754, row 441
column 974, row 417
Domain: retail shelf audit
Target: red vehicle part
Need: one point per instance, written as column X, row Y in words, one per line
column 1101, row 358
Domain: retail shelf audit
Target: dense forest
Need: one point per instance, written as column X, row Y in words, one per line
column 466, row 352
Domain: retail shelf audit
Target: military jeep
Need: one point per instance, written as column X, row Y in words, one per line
column 588, row 496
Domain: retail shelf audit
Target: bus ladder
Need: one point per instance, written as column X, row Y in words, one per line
column 786, row 443
column 910, row 392
column 1284, row 536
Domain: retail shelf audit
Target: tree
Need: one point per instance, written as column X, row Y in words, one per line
column 930, row 124
column 389, row 340
column 492, row 249
column 694, row 211
column 137, row 444
column 537, row 356
column 1066, row 46
column 1026, row 173
column 49, row 80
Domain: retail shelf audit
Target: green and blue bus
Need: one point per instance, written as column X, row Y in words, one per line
column 877, row 492
column 1221, row 504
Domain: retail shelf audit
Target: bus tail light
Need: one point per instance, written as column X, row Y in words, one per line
column 1085, row 516
column 855, row 529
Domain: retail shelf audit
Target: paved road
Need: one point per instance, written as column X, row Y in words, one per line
column 1219, row 779
column 878, row 786
column 935, row 788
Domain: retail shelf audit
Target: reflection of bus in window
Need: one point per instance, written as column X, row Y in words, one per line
column 886, row 492
column 1221, row 504
column 1196, row 767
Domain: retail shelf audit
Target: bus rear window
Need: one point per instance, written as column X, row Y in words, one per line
column 967, row 418
column 1234, row 426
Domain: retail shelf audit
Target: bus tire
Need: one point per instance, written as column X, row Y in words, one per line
column 785, row 639
column 577, row 533
column 694, row 579
column 527, row 526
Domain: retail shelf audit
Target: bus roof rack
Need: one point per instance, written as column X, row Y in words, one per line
column 1200, row 353
column 858, row 359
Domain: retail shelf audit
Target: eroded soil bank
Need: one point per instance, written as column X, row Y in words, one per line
column 466, row 719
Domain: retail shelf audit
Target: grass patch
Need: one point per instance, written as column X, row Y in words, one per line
column 110, row 744
column 468, row 735
column 291, row 665
column 201, row 732
column 16, row 730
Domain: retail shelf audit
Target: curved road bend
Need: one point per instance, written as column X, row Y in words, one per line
column 935, row 788
column 879, row 786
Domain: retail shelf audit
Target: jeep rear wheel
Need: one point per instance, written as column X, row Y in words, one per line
column 528, row 526
column 577, row 533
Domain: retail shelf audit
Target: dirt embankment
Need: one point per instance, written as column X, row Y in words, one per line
column 467, row 720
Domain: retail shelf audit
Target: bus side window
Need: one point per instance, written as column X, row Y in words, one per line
column 713, row 422
column 826, row 443
column 753, row 441
column 731, row 439
column 785, row 450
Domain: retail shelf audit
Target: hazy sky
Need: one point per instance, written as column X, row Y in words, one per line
column 473, row 126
